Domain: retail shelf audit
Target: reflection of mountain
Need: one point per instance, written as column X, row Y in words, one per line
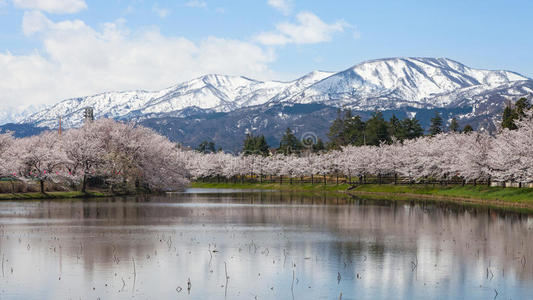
column 260, row 237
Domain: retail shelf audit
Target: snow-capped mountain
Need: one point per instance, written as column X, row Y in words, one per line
column 215, row 93
column 399, row 82
column 383, row 84
column 13, row 114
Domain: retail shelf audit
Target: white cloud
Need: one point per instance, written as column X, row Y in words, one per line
column 161, row 12
column 52, row 6
column 196, row 3
column 284, row 6
column 310, row 29
column 77, row 60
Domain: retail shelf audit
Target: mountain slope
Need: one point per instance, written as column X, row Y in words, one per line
column 401, row 82
column 411, row 85
column 215, row 93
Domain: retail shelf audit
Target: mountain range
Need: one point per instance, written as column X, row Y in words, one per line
column 223, row 108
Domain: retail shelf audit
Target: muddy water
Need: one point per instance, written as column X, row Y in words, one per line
column 261, row 245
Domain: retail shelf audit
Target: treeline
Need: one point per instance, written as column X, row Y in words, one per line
column 115, row 155
column 350, row 130
column 468, row 156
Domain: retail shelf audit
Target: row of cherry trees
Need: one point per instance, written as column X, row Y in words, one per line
column 124, row 154
column 119, row 153
column 507, row 156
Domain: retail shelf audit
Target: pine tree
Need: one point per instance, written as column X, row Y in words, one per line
column 262, row 146
column 454, row 126
column 436, row 124
column 411, row 129
column 206, row 147
column 255, row 145
column 319, row 146
column 289, row 143
column 508, row 117
column 376, row 130
column 468, row 128
column 336, row 132
column 395, row 128
column 521, row 106
column 354, row 129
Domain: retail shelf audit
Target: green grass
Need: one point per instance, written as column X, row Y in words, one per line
column 286, row 186
column 504, row 197
column 519, row 195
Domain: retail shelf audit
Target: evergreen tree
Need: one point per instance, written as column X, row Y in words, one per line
column 508, row 117
column 206, row 147
column 454, row 126
column 255, row 145
column 411, row 129
column 319, row 146
column 468, row 128
column 262, row 146
column 336, row 132
column 376, row 130
column 395, row 128
column 346, row 130
column 289, row 143
column 354, row 131
column 436, row 124
column 521, row 106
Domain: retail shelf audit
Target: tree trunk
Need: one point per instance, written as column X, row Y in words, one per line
column 488, row 181
column 337, row 179
column 84, row 184
column 290, row 180
column 280, row 179
column 379, row 178
column 312, row 179
column 324, row 179
column 475, row 182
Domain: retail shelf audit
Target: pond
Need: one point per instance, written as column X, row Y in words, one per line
column 220, row 244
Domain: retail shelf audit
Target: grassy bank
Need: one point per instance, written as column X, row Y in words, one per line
column 494, row 196
column 52, row 195
column 302, row 187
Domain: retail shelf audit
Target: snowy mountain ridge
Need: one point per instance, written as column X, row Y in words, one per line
column 389, row 83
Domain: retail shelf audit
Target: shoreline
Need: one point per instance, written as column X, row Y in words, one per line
column 59, row 195
column 507, row 198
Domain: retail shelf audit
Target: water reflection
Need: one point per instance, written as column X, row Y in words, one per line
column 272, row 245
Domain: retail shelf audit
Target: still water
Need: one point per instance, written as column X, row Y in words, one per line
column 261, row 245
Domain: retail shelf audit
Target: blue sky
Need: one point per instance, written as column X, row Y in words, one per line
column 56, row 49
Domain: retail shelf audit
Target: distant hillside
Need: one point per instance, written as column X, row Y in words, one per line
column 218, row 107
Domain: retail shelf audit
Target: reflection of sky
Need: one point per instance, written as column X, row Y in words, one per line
column 61, row 250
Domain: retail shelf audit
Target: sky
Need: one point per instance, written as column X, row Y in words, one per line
column 52, row 50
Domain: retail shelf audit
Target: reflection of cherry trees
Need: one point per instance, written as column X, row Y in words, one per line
column 507, row 156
